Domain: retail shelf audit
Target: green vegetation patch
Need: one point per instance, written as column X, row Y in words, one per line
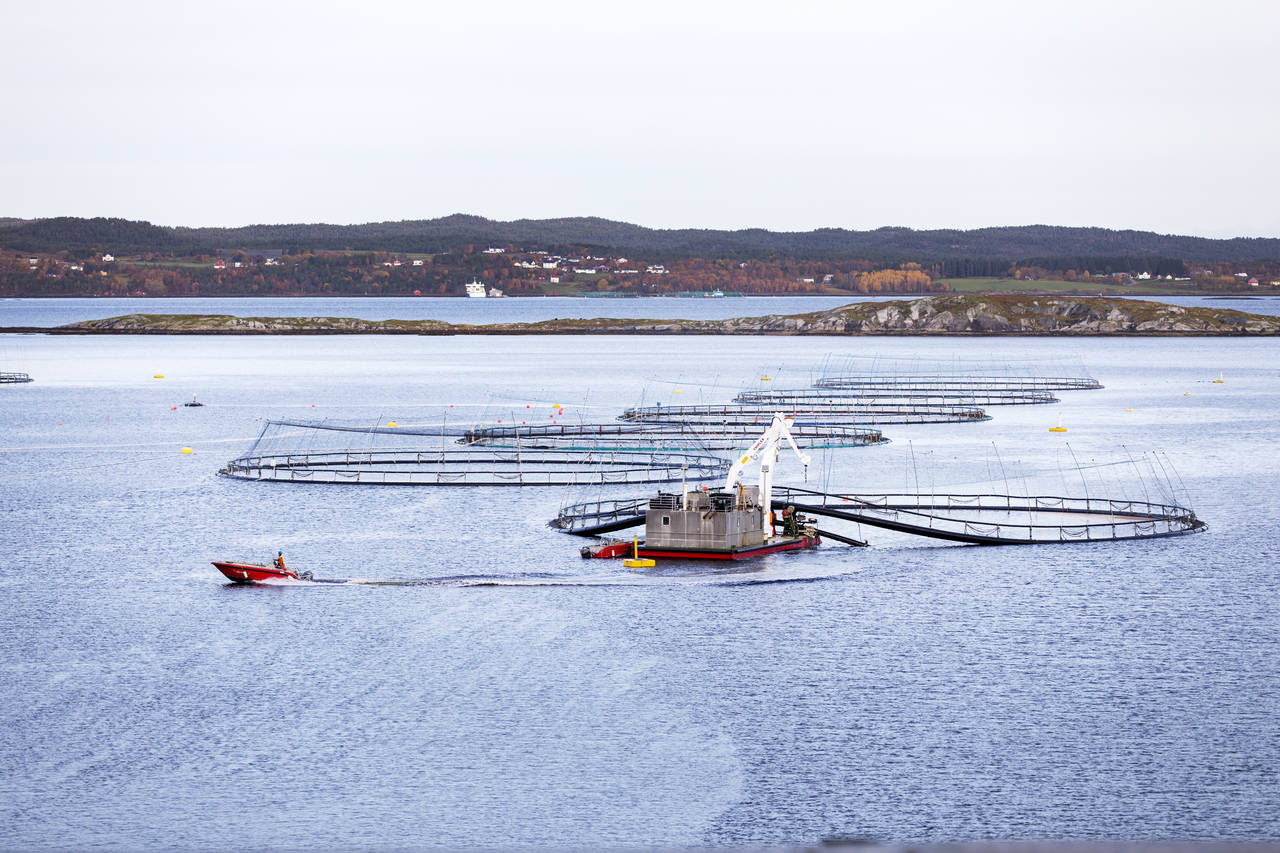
column 1043, row 286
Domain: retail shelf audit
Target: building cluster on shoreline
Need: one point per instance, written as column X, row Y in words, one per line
column 519, row 271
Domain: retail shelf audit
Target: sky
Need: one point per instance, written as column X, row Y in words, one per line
column 787, row 115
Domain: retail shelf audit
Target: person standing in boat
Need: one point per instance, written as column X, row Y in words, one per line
column 279, row 560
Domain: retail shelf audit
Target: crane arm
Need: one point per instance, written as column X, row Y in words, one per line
column 765, row 446
column 803, row 457
column 767, row 439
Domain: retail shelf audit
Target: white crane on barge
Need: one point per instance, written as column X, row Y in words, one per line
column 766, row 449
column 732, row 523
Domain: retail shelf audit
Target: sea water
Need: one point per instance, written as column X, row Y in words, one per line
column 56, row 312
column 46, row 313
column 482, row 686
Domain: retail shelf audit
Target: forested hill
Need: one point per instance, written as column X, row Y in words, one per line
column 1025, row 243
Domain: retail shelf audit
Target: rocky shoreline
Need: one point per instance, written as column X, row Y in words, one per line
column 950, row 314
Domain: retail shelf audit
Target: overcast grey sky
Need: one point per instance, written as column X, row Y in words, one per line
column 785, row 115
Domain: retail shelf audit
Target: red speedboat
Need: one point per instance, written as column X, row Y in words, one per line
column 253, row 572
column 606, row 550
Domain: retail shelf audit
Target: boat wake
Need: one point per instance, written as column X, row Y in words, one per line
column 701, row 578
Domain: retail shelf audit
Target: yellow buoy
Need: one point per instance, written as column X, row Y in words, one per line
column 159, row 376
column 766, row 378
column 636, row 561
column 679, row 390
column 1187, row 394
column 1059, row 427
column 1128, row 410
column 556, row 406
column 392, row 424
column 187, row 450
column 1219, row 380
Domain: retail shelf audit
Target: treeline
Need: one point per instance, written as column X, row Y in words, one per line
column 79, row 235
column 979, row 252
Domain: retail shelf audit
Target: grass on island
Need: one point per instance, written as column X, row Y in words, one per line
column 1056, row 287
column 568, row 288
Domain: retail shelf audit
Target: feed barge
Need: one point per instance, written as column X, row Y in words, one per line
column 719, row 526
column 731, row 523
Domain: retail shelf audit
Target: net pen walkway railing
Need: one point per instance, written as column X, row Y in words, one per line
column 659, row 436
column 810, row 413
column 982, row 519
column 476, row 467
column 901, row 396
column 959, row 381
column 1001, row 519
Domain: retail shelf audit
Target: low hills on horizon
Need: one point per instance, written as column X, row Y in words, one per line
column 1023, row 244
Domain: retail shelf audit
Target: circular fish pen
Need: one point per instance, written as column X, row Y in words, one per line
column 663, row 436
column 960, row 382
column 913, row 395
column 14, row 378
column 809, row 413
column 965, row 518
column 993, row 519
column 305, row 452
column 477, row 467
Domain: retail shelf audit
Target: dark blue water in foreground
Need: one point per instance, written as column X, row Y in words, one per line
column 910, row 691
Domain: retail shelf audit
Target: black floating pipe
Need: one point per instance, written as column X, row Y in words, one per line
column 609, row 527
column 827, row 534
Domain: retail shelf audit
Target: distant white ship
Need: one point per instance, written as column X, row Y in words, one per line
column 476, row 289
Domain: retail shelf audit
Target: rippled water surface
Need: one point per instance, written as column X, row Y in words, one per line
column 46, row 313
column 507, row 694
column 56, row 312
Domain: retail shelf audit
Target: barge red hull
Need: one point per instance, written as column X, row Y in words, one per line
column 742, row 554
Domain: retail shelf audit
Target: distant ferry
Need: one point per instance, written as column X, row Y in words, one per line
column 476, row 289
column 716, row 294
